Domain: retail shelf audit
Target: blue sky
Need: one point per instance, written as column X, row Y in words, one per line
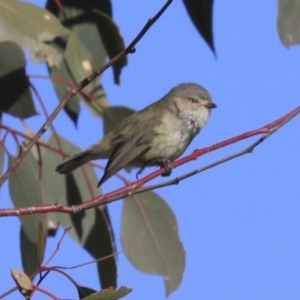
column 239, row 222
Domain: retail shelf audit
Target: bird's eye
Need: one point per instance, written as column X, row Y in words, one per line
column 193, row 100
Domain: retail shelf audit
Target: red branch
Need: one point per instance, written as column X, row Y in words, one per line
column 132, row 188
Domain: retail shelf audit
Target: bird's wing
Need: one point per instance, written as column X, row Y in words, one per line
column 124, row 152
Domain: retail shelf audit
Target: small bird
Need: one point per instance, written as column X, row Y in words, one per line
column 154, row 136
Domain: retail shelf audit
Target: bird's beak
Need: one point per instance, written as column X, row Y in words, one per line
column 211, row 105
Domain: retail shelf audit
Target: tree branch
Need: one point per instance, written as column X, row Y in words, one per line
column 134, row 188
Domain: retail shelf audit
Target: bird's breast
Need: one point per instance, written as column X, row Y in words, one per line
column 172, row 136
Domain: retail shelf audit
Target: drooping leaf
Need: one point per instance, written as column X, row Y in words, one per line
column 112, row 40
column 61, row 80
column 80, row 64
column 29, row 256
column 201, row 14
column 100, row 244
column 110, row 294
column 83, row 54
column 15, row 101
column 25, row 191
column 90, row 228
column 41, row 242
column 11, row 58
column 150, row 238
column 288, row 24
column 30, row 27
column 113, row 115
column 93, row 23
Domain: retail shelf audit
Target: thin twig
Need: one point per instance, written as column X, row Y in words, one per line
column 57, row 247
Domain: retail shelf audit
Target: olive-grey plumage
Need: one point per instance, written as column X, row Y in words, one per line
column 155, row 135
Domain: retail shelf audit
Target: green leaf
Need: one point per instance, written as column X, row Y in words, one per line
column 60, row 82
column 112, row 40
column 110, row 294
column 288, row 24
column 95, row 28
column 25, row 191
column 41, row 242
column 100, row 244
column 84, row 53
column 113, row 115
column 150, row 238
column 29, row 255
column 11, row 58
column 80, row 65
column 32, row 21
column 201, row 14
column 78, row 17
column 30, row 26
column 91, row 228
column 14, row 101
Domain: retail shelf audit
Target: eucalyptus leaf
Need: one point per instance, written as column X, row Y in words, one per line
column 26, row 191
column 14, row 101
column 80, row 65
column 112, row 40
column 29, row 255
column 41, row 242
column 83, row 54
column 201, row 14
column 150, row 238
column 30, row 27
column 288, row 22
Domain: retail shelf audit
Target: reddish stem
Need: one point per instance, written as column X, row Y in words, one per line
column 129, row 189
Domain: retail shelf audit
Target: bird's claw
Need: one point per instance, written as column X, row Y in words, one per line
column 166, row 164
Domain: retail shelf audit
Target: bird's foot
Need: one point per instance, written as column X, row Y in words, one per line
column 166, row 164
column 162, row 162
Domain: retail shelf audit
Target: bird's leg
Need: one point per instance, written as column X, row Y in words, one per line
column 165, row 163
column 162, row 162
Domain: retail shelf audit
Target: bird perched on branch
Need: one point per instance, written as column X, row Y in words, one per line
column 153, row 136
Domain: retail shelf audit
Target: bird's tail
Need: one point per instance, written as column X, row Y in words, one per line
column 73, row 162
